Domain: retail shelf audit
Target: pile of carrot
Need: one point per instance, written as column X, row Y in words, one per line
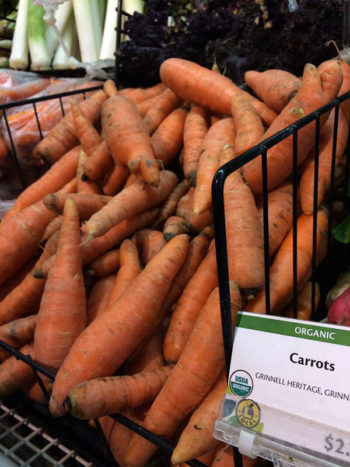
column 108, row 266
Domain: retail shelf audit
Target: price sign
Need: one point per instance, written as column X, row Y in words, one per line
column 289, row 381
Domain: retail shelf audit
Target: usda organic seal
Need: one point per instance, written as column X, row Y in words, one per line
column 241, row 383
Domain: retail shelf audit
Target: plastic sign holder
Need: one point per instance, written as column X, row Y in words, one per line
column 288, row 392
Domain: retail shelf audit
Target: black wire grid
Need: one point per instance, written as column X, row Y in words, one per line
column 261, row 150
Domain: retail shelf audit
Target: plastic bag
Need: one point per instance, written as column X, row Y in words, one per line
column 17, row 85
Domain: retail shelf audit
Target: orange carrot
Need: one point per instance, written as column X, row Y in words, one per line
column 324, row 162
column 167, row 102
column 85, row 131
column 195, row 129
column 17, row 333
column 14, row 374
column 345, row 87
column 144, row 106
column 219, row 134
column 25, row 298
column 62, row 137
column 110, row 88
column 35, row 392
column 149, row 356
column 191, row 379
column 51, row 228
column 104, row 396
column 98, row 163
column 20, row 236
column 174, row 225
column 139, row 94
column 127, row 137
column 168, row 137
column 129, row 269
column 115, row 179
column 149, row 242
column 200, row 86
column 16, row 279
column 275, row 87
column 317, row 90
column 85, row 186
column 280, row 212
column 87, row 204
column 170, row 204
column 281, row 270
column 304, row 303
column 55, row 178
column 131, row 201
column 197, row 437
column 3, row 150
column 189, row 305
column 122, row 327
column 196, row 253
column 62, row 316
column 105, row 264
column 99, row 296
column 195, row 222
column 248, row 125
column 245, row 244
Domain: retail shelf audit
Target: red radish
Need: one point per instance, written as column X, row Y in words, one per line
column 339, row 311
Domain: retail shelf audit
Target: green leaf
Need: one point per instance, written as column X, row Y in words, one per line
column 342, row 231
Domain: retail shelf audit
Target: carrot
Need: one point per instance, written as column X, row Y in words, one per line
column 127, row 137
column 4, row 152
column 196, row 253
column 105, row 264
column 98, row 163
column 281, row 270
column 280, row 214
column 205, row 459
column 25, row 298
column 19, row 237
column 128, row 271
column 200, row 86
column 104, row 396
column 35, row 392
column 85, row 131
column 51, row 228
column 324, row 174
column 17, row 333
column 197, row 437
column 99, row 296
column 115, row 180
column 195, row 222
column 345, row 87
column 55, row 178
column 275, row 87
column 149, row 242
column 304, row 301
column 144, row 106
column 122, row 327
column 167, row 102
column 316, row 90
column 189, row 305
column 14, row 374
column 170, row 204
column 85, row 186
column 245, row 243
column 87, row 204
column 195, row 129
column 223, row 457
column 16, row 279
column 62, row 137
column 149, row 356
column 191, row 379
column 62, row 316
column 131, row 201
column 218, row 135
column 110, row 88
column 168, row 137
column 248, row 125
column 137, row 95
column 174, row 225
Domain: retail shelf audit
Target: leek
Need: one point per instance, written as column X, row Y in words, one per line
column 61, row 16
column 19, row 52
column 39, row 56
column 84, row 24
column 97, row 23
column 61, row 58
column 109, row 38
